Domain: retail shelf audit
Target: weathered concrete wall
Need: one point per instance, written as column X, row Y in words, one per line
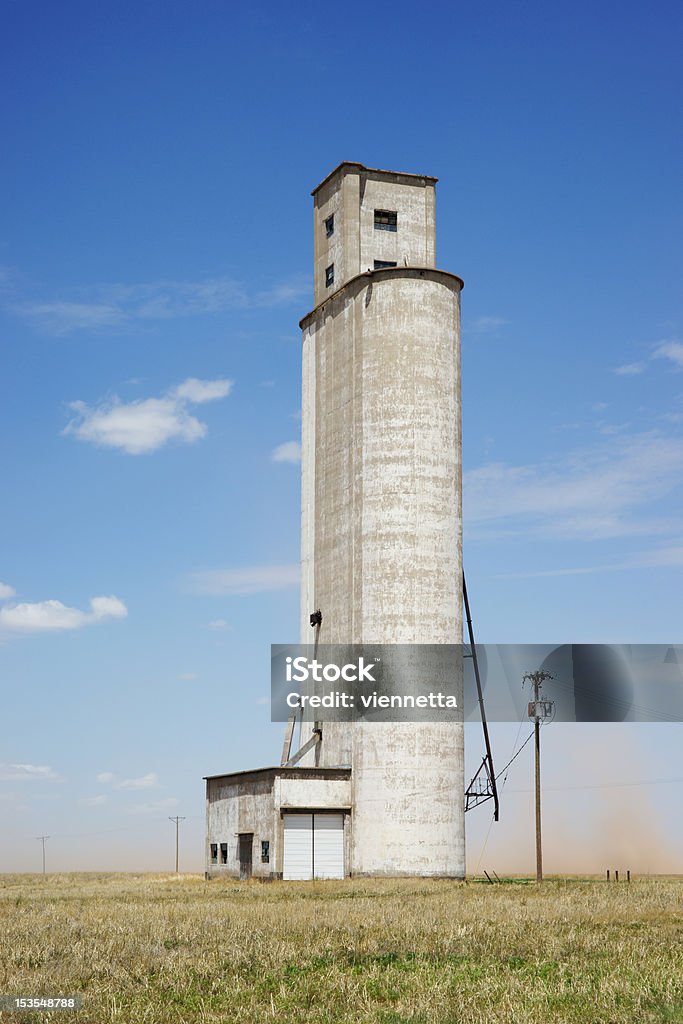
column 352, row 194
column 235, row 806
column 382, row 541
column 312, row 793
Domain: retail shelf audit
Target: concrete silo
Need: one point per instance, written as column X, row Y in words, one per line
column 381, row 549
column 382, row 497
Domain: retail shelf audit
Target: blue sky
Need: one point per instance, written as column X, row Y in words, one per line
column 156, row 254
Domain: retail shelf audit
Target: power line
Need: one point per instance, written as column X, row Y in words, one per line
column 177, row 820
column 41, row 839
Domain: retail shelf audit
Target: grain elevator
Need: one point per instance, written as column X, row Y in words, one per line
column 381, row 547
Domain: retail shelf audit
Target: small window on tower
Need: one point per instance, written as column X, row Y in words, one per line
column 383, row 264
column 329, row 226
column 386, row 220
column 214, row 853
column 265, row 851
column 224, row 853
column 329, row 276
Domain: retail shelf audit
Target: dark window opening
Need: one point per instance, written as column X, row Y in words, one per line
column 214, row 853
column 265, row 851
column 329, row 225
column 386, row 220
column 382, row 264
column 329, row 276
column 224, row 853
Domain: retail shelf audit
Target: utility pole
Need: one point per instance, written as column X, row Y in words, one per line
column 41, row 839
column 538, row 710
column 177, row 823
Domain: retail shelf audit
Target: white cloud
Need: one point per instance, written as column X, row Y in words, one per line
column 94, row 801
column 149, row 781
column 198, row 391
column 485, row 324
column 257, row 579
column 167, row 804
column 6, row 591
column 145, row 425
column 27, row 772
column 292, row 290
column 187, row 677
column 53, row 616
column 629, row 369
column 667, row 558
column 105, row 777
column 290, row 451
column 108, row 307
column 218, row 625
column 588, row 494
column 671, row 350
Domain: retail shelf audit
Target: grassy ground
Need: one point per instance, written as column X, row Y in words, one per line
column 158, row 950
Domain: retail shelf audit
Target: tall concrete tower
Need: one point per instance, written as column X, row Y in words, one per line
column 382, row 496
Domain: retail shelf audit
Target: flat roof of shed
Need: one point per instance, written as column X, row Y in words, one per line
column 342, row 771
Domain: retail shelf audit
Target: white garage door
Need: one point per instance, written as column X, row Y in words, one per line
column 298, row 861
column 328, row 845
column 314, row 846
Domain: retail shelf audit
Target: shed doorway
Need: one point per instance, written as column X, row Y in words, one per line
column 246, row 852
column 313, row 846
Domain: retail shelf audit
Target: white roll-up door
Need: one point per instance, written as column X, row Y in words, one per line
column 298, row 859
column 328, row 845
column 314, row 846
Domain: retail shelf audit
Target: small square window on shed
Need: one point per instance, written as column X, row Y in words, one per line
column 383, row 264
column 329, row 225
column 386, row 220
column 214, row 853
column 265, row 851
column 224, row 853
column 329, row 276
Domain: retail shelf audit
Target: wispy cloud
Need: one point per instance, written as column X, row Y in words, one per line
column 257, row 579
column 27, row 773
column 94, row 801
column 218, row 625
column 671, row 350
column 149, row 781
column 145, row 425
column 290, row 451
column 6, row 591
column 155, row 806
column 665, row 558
column 187, row 677
column 53, row 616
column 629, row 369
column 588, row 494
column 112, row 307
column 104, row 777
column 485, row 324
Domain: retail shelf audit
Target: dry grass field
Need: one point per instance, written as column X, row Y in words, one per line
column 160, row 950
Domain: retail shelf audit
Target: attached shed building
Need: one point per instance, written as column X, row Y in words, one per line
column 279, row 823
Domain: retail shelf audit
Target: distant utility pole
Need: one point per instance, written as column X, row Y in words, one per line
column 41, row 839
column 539, row 710
column 177, row 823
